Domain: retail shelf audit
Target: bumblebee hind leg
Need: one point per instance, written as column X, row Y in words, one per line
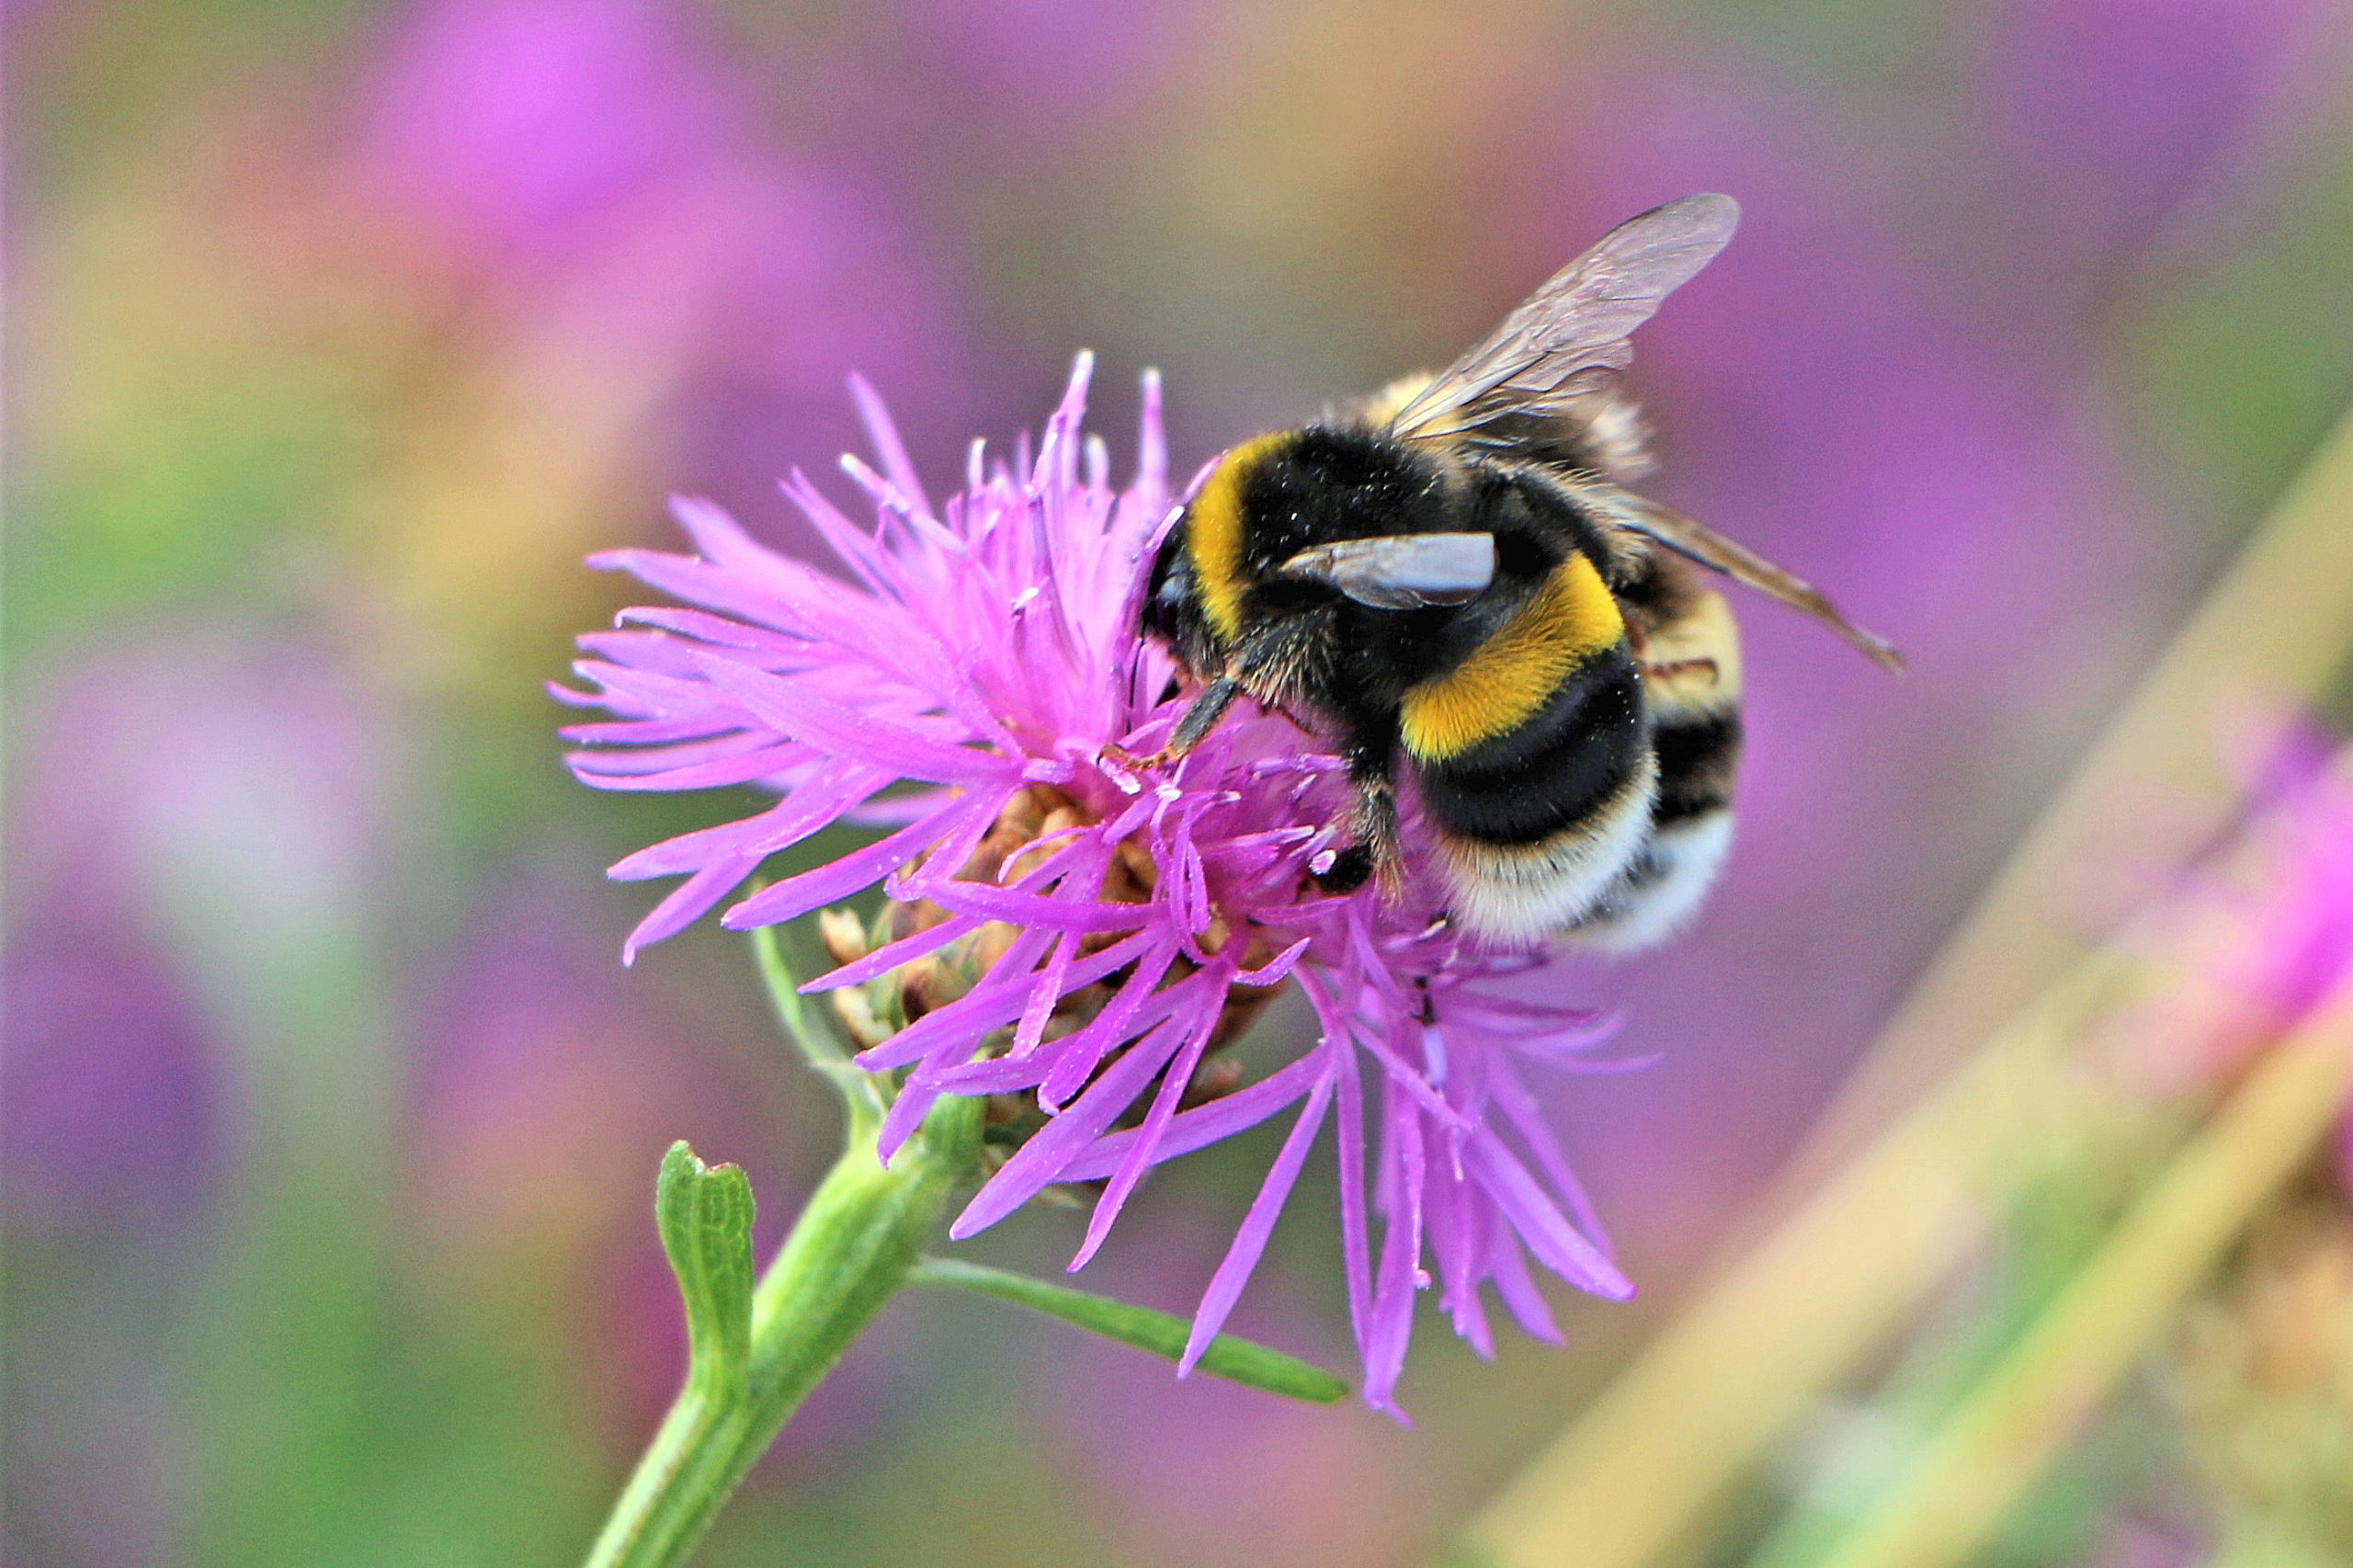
column 1676, row 669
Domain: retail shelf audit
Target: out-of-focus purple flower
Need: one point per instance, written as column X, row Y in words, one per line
column 1057, row 60
column 2121, row 108
column 2137, row 1543
column 2261, row 934
column 522, row 122
column 108, row 1084
column 987, row 651
column 199, row 813
column 2297, row 939
column 129, row 830
column 2258, row 939
column 600, row 173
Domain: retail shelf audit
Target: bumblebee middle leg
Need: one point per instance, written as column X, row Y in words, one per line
column 1375, row 852
column 1193, row 726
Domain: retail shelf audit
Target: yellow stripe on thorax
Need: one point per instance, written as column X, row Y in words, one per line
column 1506, row 678
column 1213, row 535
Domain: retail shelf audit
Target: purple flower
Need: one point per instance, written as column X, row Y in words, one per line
column 529, row 127
column 2260, row 932
column 959, row 691
column 108, row 1091
column 599, row 178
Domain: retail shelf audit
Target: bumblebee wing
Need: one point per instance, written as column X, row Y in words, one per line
column 1694, row 541
column 1568, row 342
column 1402, row 571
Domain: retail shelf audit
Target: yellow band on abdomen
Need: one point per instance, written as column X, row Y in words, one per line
column 1508, row 678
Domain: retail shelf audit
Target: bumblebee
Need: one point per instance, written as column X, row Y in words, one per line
column 1454, row 582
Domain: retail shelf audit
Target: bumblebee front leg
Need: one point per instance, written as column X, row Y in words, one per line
column 1193, row 725
column 1200, row 716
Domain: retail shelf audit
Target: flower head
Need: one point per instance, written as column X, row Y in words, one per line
column 971, row 691
column 2259, row 932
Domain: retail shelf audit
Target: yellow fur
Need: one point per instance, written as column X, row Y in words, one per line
column 1705, row 632
column 1390, row 400
column 1213, row 537
column 1503, row 683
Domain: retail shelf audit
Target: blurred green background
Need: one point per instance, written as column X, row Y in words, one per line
column 337, row 335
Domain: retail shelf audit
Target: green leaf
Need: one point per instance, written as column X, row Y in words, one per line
column 1238, row 1361
column 705, row 1217
column 867, row 1095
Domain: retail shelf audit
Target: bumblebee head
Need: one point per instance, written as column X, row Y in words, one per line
column 1271, row 526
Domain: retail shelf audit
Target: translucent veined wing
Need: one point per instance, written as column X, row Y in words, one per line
column 1402, row 571
column 1568, row 342
column 1694, row 541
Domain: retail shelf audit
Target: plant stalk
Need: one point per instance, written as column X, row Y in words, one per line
column 849, row 1253
column 1977, row 1467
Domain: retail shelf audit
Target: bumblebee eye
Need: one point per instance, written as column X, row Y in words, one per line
column 1402, row 571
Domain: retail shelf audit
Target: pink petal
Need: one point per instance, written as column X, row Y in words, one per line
column 804, row 716
column 1249, row 1242
column 688, row 903
column 884, row 434
column 1513, row 1283
column 814, row 806
column 1398, row 1276
column 1549, row 1234
column 1207, row 1124
column 990, row 1005
column 1202, row 1022
column 891, row 955
column 1040, row 1161
column 860, row 869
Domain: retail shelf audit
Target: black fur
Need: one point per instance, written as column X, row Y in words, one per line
column 1696, row 761
column 1345, row 667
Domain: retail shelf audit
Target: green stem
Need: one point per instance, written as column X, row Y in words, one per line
column 849, row 1253
column 1986, row 1454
